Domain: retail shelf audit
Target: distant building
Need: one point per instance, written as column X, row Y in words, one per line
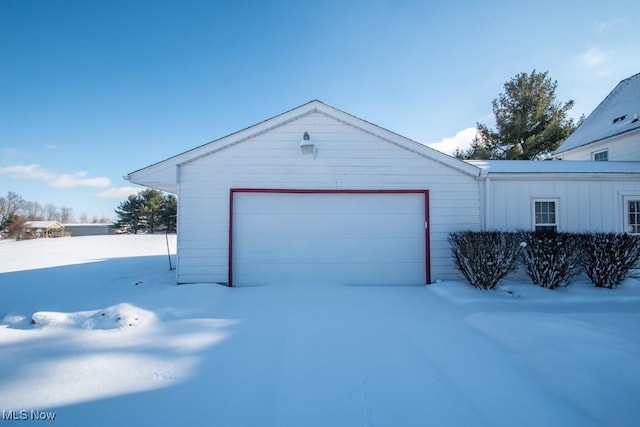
column 76, row 230
column 42, row 229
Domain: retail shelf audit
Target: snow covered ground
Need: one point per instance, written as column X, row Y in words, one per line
column 116, row 343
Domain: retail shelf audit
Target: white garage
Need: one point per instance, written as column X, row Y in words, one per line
column 351, row 237
column 316, row 195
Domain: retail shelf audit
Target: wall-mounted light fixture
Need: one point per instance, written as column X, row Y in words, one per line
column 307, row 146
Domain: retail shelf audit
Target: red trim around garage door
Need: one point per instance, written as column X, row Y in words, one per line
column 427, row 236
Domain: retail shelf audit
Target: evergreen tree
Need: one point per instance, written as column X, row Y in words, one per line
column 530, row 123
column 151, row 209
column 169, row 212
column 11, row 225
column 129, row 214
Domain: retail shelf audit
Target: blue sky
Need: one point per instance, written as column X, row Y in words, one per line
column 93, row 90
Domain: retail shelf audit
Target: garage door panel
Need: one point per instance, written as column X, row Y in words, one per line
column 328, row 250
column 329, row 238
column 314, row 203
column 317, row 225
column 347, row 273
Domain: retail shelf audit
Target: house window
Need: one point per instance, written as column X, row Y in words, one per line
column 633, row 216
column 601, row 156
column 545, row 215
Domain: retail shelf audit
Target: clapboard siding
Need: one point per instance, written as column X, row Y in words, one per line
column 321, row 165
column 259, row 156
column 318, row 172
column 216, row 236
column 348, row 158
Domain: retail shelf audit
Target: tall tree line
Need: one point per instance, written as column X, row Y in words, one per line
column 147, row 212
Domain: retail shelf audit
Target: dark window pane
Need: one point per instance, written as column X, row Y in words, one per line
column 546, row 228
column 602, row 156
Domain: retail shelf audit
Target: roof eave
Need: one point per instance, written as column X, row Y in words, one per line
column 597, row 141
column 601, row 176
column 287, row 117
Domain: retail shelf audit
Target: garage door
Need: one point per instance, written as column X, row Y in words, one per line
column 345, row 237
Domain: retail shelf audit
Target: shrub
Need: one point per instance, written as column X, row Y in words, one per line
column 551, row 259
column 608, row 257
column 485, row 257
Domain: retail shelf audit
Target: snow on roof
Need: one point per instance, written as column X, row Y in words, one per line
column 555, row 166
column 618, row 113
column 93, row 224
column 42, row 224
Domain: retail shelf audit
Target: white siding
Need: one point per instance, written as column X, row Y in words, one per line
column 348, row 158
column 621, row 148
column 583, row 204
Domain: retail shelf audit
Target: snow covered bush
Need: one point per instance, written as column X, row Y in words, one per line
column 485, row 257
column 608, row 257
column 551, row 259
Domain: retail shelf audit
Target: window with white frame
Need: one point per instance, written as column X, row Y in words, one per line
column 545, row 215
column 633, row 216
column 601, row 156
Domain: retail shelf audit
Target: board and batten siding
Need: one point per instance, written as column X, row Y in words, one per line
column 583, row 203
column 348, row 158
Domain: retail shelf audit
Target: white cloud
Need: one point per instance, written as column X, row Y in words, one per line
column 601, row 62
column 119, row 192
column 594, row 57
column 28, row 172
column 606, row 26
column 461, row 140
column 78, row 180
column 37, row 172
column 10, row 150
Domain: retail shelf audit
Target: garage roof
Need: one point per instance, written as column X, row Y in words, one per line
column 42, row 224
column 554, row 167
column 163, row 175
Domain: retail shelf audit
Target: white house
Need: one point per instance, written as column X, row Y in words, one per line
column 612, row 130
column 316, row 195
